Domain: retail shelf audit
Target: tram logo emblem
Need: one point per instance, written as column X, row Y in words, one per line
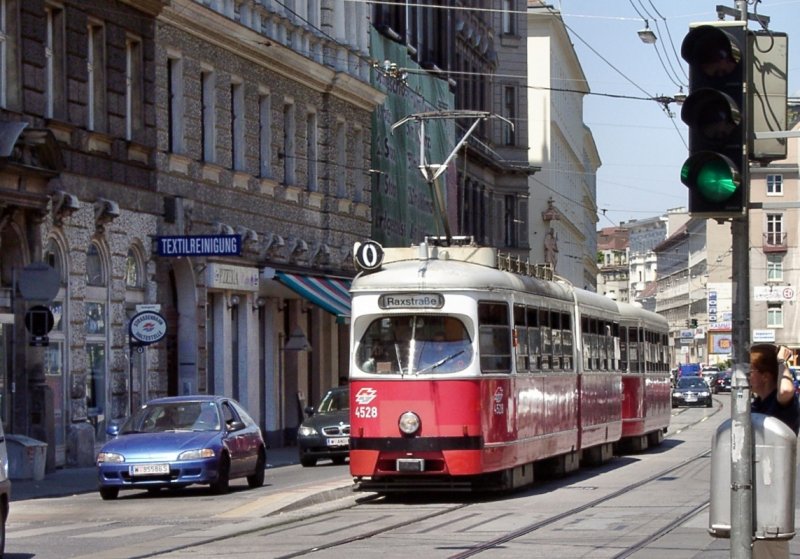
column 366, row 395
column 498, row 401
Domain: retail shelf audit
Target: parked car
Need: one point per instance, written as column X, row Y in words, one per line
column 326, row 432
column 723, row 381
column 179, row 441
column 796, row 375
column 691, row 391
column 5, row 490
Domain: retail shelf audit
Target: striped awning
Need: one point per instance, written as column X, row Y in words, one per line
column 331, row 294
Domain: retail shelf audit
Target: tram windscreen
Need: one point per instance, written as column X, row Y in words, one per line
column 414, row 344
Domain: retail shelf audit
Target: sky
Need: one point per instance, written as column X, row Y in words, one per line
column 641, row 148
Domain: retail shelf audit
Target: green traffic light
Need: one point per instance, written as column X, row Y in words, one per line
column 715, row 182
column 712, row 176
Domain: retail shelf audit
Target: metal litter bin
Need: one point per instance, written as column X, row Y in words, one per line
column 773, row 479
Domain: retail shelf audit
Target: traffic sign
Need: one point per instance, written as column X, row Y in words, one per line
column 148, row 327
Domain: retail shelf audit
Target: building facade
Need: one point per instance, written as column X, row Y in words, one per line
column 134, row 121
column 562, row 209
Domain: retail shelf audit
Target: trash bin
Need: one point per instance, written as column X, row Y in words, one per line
column 27, row 457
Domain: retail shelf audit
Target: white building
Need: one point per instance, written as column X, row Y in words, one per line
column 562, row 212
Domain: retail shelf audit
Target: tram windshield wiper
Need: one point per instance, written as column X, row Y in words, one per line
column 440, row 362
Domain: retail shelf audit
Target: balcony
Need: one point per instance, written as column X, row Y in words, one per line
column 775, row 242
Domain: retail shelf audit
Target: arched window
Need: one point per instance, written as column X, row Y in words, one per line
column 94, row 267
column 134, row 276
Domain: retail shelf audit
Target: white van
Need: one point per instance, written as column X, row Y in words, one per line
column 5, row 490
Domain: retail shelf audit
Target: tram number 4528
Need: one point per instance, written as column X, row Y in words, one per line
column 366, row 412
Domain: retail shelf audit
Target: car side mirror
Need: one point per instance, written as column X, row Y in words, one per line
column 309, row 410
column 235, row 426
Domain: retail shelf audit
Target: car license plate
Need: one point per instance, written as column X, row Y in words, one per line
column 149, row 469
column 338, row 441
column 410, row 464
column 691, row 398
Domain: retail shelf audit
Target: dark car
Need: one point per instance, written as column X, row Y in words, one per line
column 326, row 432
column 691, row 391
column 723, row 382
column 180, row 441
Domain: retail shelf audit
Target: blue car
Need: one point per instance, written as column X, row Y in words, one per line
column 180, row 441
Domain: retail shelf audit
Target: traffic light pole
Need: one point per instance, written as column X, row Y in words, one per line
column 741, row 423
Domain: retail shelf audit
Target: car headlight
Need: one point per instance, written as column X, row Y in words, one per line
column 409, row 423
column 196, row 454
column 306, row 431
column 704, row 393
column 112, row 457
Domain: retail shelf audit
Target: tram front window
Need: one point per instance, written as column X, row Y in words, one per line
column 414, row 344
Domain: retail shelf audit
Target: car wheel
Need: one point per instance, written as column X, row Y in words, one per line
column 4, row 514
column 308, row 461
column 222, row 485
column 109, row 493
column 338, row 460
column 257, row 479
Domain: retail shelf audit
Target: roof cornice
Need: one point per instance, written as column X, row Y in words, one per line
column 210, row 26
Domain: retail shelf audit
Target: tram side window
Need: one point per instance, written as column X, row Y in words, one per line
column 523, row 361
column 535, row 345
column 623, row 349
column 494, row 337
column 555, row 324
column 635, row 350
column 566, row 342
column 547, row 339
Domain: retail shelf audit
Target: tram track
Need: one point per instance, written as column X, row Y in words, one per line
column 392, row 522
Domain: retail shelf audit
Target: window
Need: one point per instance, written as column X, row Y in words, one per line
column 237, row 126
column 208, row 122
column 8, row 51
column 359, row 174
column 311, row 152
column 507, row 24
column 510, row 219
column 288, row 144
column 774, row 315
column 96, row 77
column 133, row 270
column 55, row 67
column 94, row 267
column 341, row 160
column 774, row 185
column 510, row 109
column 494, row 336
column 265, row 135
column 175, row 93
column 134, row 84
column 774, row 267
column 774, row 229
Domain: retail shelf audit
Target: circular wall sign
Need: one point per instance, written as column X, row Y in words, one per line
column 148, row 327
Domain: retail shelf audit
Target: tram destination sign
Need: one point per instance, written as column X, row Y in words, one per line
column 199, row 245
column 411, row 301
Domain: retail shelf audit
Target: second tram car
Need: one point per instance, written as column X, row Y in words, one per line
column 466, row 375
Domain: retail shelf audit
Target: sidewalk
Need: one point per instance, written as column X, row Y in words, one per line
column 72, row 481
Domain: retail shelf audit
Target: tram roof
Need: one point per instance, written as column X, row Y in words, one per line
column 464, row 268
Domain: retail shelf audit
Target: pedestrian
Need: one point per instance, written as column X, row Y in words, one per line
column 772, row 384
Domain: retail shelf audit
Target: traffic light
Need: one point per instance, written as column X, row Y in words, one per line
column 716, row 170
column 694, row 323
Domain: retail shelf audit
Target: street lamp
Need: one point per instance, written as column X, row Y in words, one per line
column 646, row 35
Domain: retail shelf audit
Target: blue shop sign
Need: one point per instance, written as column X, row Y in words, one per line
column 199, row 245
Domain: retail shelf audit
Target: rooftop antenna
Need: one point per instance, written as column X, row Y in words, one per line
column 432, row 171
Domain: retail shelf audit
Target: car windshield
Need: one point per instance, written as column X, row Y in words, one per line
column 173, row 416
column 691, row 383
column 334, row 400
column 414, row 344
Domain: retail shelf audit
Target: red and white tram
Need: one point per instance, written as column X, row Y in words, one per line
column 466, row 375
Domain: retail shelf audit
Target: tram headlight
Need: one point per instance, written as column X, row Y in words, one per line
column 409, row 423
